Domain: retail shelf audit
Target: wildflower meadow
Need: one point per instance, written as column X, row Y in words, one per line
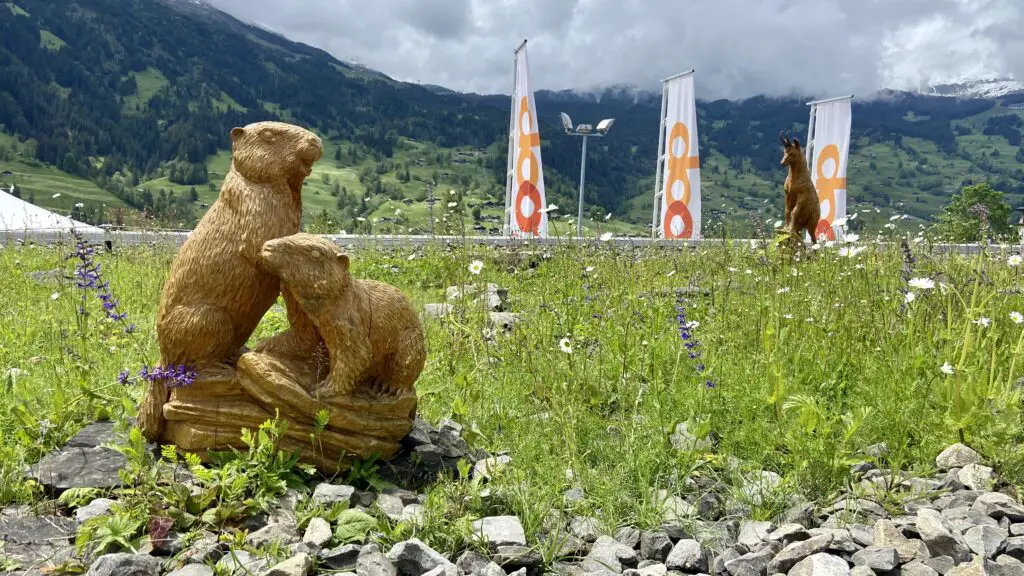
column 626, row 372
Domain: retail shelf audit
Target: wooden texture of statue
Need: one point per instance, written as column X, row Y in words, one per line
column 354, row 348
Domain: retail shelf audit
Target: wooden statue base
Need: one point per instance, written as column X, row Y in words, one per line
column 210, row 414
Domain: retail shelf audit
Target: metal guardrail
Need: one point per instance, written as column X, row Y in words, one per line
column 164, row 237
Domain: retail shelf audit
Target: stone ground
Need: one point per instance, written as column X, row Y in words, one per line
column 957, row 523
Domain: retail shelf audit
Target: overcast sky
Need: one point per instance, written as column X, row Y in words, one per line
column 739, row 48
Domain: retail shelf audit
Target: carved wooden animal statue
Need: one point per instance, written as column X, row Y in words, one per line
column 217, row 290
column 371, row 331
column 802, row 208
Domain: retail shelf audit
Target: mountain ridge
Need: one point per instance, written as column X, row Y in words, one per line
column 138, row 96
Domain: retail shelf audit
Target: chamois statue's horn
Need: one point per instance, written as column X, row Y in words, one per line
column 782, row 138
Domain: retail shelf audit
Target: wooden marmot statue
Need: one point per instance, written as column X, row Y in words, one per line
column 802, row 208
column 372, row 333
column 217, row 291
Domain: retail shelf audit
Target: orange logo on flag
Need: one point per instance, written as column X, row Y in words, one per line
column 827, row 186
column 679, row 166
column 527, row 187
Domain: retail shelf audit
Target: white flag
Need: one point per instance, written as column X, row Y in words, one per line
column 527, row 183
column 828, row 167
column 680, row 191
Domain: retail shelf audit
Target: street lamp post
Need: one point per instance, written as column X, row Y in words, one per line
column 585, row 131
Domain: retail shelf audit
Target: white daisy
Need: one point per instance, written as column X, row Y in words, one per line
column 851, row 238
column 1014, row 260
column 475, row 267
column 909, row 297
column 946, row 369
column 453, row 204
column 983, row 322
column 1017, row 317
column 55, row 295
column 565, row 345
column 922, row 283
column 606, row 236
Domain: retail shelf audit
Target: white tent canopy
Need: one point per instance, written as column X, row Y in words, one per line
column 16, row 215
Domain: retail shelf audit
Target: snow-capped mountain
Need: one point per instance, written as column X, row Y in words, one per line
column 989, row 88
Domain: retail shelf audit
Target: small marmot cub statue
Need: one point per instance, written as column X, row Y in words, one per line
column 370, row 329
column 802, row 208
column 217, row 291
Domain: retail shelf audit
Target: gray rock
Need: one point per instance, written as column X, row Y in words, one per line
column 716, row 536
column 797, row 551
column 863, row 535
column 753, row 533
column 842, row 541
column 917, row 568
column 240, row 562
column 192, row 570
column 758, row 487
column 985, row 540
column 861, row 571
column 683, row 440
column 125, row 565
column 857, row 508
column 687, row 556
column 413, row 557
column 488, row 467
column 445, row 570
column 1017, row 529
column 977, row 477
column 282, row 533
column 492, row 569
column 877, row 450
column 490, row 296
column 371, row 562
column 318, row 532
column 789, row 533
column 608, row 556
column 652, row 570
column 516, row 557
column 801, row 512
column 878, row 559
column 205, row 549
column 504, row 321
column 968, row 517
column 628, row 536
column 341, row 558
column 35, row 540
column 391, row 506
column 585, row 528
column 751, row 564
column 940, row 537
column 655, row 545
column 295, row 566
column 574, row 495
column 97, row 507
column 564, row 545
column 414, row 514
column 941, row 564
column 500, row 531
column 979, row 567
column 331, row 494
column 821, row 565
column 999, row 506
column 436, row 311
column 82, row 462
column 1009, row 566
column 1015, row 547
column 471, row 561
column 675, row 510
column 957, row 456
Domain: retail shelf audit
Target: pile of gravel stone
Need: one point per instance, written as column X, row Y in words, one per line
column 961, row 522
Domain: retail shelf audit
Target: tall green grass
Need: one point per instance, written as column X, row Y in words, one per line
column 809, row 364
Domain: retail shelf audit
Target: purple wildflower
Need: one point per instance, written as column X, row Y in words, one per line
column 177, row 376
column 690, row 341
column 88, row 276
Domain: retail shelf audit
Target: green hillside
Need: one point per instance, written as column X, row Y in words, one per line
column 127, row 104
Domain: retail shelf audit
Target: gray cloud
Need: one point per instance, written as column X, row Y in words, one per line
column 738, row 47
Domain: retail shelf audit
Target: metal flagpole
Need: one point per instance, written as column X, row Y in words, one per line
column 509, row 175
column 658, row 173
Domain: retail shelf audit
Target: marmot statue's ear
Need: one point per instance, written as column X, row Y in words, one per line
column 237, row 133
column 796, row 142
column 343, row 260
